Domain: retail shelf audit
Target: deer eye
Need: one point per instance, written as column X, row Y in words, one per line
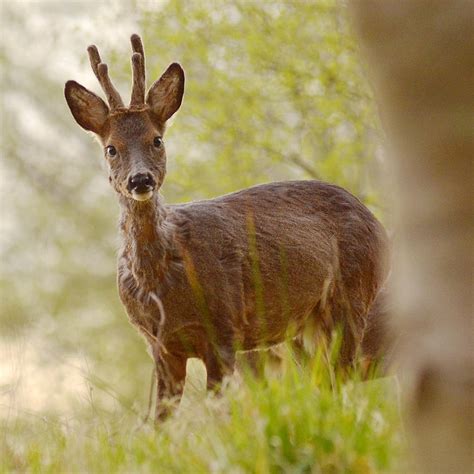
column 110, row 150
column 157, row 142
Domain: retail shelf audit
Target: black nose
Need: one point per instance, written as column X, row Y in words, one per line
column 141, row 183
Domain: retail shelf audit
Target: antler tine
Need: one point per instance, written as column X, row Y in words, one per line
column 94, row 58
column 138, row 89
column 101, row 72
column 137, row 47
column 113, row 97
column 138, row 67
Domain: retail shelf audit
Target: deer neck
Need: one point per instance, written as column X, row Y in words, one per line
column 147, row 240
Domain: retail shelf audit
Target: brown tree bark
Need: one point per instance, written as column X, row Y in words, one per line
column 420, row 55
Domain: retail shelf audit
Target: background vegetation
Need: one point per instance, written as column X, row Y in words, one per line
column 274, row 91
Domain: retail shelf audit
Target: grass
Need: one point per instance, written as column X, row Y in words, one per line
column 303, row 419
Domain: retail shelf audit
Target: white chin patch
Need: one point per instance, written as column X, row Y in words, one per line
column 142, row 196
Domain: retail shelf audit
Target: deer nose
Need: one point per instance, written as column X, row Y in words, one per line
column 141, row 183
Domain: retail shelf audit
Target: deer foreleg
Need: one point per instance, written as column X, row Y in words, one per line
column 170, row 375
column 219, row 362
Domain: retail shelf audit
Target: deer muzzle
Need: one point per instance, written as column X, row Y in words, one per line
column 141, row 186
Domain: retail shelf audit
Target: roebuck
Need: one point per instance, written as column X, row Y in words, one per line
column 239, row 272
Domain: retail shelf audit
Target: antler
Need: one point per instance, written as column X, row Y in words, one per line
column 138, row 67
column 101, row 72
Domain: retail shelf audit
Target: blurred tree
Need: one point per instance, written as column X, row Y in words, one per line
column 274, row 91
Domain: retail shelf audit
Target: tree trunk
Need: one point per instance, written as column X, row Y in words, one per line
column 421, row 60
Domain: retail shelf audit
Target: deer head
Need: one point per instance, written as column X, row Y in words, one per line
column 132, row 136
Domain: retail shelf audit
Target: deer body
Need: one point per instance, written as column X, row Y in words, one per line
column 242, row 270
column 239, row 272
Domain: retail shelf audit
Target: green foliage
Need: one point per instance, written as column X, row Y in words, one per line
column 305, row 419
column 274, row 91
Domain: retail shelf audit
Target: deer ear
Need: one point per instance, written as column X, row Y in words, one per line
column 166, row 94
column 89, row 110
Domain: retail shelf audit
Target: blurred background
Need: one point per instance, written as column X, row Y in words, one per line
column 274, row 91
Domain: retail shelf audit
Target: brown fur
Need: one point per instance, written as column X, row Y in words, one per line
column 239, row 272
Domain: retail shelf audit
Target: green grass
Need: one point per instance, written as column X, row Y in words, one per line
column 303, row 419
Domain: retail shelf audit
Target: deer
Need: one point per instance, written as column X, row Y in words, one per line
column 240, row 272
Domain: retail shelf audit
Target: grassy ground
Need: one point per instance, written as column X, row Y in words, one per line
column 302, row 420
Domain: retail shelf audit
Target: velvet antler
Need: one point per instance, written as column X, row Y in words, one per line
column 138, row 67
column 101, row 72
